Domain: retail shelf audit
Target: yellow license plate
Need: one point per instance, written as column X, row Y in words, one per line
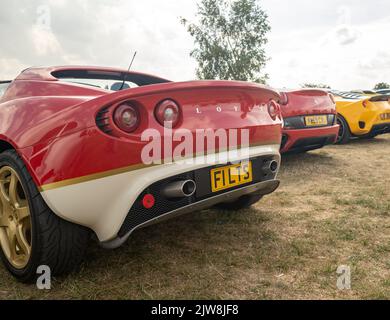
column 385, row 116
column 315, row 121
column 231, row 176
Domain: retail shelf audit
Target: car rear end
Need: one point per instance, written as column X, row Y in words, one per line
column 309, row 120
column 375, row 117
column 135, row 166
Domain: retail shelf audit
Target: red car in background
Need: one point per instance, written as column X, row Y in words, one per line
column 310, row 120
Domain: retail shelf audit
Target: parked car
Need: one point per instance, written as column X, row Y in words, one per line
column 72, row 151
column 309, row 120
column 361, row 116
column 364, row 92
column 383, row 92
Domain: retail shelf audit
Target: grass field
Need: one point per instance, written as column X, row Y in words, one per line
column 332, row 209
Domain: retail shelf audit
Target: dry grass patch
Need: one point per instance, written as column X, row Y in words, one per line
column 332, row 209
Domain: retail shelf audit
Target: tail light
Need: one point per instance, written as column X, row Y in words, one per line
column 167, row 113
column 331, row 96
column 283, row 98
column 126, row 117
column 274, row 110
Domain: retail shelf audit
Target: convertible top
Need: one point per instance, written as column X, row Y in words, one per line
column 88, row 72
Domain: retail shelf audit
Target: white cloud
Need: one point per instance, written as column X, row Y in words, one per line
column 8, row 67
column 45, row 42
column 98, row 32
column 339, row 42
column 346, row 34
column 340, row 53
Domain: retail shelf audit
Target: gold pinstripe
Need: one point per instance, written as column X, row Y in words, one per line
column 100, row 175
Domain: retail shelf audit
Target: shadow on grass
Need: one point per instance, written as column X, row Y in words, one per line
column 308, row 158
column 182, row 241
column 369, row 142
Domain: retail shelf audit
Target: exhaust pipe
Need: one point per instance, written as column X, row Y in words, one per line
column 179, row 189
column 271, row 166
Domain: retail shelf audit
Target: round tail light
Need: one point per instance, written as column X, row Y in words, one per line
column 283, row 99
column 126, row 117
column 274, row 110
column 167, row 113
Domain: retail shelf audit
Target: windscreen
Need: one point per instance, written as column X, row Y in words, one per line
column 111, row 85
column 3, row 87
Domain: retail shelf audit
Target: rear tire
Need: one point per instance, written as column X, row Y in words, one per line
column 54, row 242
column 244, row 202
column 344, row 135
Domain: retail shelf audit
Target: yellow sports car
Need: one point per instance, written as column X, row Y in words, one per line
column 361, row 116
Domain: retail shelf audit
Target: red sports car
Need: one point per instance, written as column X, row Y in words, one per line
column 90, row 150
column 309, row 120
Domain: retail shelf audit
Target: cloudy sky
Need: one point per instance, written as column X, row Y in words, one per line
column 343, row 43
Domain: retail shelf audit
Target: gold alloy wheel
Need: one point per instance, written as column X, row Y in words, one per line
column 15, row 219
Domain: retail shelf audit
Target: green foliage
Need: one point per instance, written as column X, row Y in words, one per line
column 229, row 37
column 382, row 85
column 315, row 86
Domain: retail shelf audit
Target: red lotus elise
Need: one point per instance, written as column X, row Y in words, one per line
column 309, row 120
column 90, row 150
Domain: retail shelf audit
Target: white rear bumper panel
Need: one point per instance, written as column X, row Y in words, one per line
column 103, row 204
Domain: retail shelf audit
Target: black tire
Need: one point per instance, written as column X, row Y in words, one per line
column 244, row 202
column 344, row 135
column 55, row 243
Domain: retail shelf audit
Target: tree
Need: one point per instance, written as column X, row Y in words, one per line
column 382, row 85
column 316, row 86
column 229, row 40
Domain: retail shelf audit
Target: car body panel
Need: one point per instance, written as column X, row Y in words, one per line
column 71, row 130
column 92, row 177
column 102, row 202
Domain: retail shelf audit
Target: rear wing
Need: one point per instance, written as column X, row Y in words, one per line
column 308, row 92
column 380, row 98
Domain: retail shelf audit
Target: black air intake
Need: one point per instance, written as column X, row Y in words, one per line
column 103, row 121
